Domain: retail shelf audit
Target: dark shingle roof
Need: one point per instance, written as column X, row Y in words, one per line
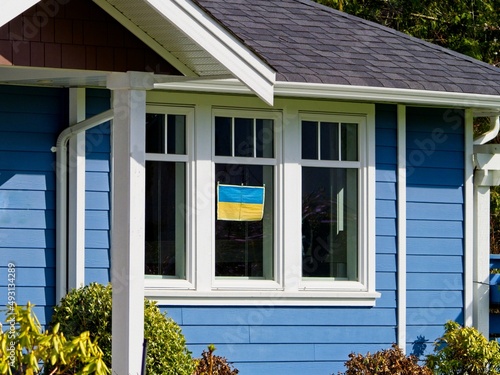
column 307, row 42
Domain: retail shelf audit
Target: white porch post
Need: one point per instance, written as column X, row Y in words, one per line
column 127, row 228
column 76, row 172
column 487, row 174
column 481, row 312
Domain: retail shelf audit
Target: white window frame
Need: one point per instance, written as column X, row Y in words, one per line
column 309, row 284
column 241, row 283
column 201, row 287
column 169, row 282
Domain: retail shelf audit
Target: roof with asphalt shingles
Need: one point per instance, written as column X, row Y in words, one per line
column 308, row 42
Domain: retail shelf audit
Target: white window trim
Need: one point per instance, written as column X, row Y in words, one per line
column 168, row 282
column 328, row 284
column 240, row 284
column 201, row 286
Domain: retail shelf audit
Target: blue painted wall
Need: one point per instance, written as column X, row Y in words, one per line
column 299, row 340
column 260, row 340
column 97, row 191
column 30, row 121
column 435, row 206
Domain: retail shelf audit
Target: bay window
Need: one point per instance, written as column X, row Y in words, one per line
column 313, row 242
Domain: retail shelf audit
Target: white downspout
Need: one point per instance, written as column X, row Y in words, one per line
column 62, row 195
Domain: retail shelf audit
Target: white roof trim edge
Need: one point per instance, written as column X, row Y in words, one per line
column 238, row 59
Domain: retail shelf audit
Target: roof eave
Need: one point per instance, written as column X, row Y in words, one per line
column 237, row 58
column 491, row 103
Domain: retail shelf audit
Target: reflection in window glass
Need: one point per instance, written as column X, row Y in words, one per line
column 176, row 134
column 349, row 144
column 329, row 223
column 245, row 248
column 165, row 219
column 329, row 141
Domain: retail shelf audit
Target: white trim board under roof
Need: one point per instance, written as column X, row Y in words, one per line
column 489, row 104
column 192, row 41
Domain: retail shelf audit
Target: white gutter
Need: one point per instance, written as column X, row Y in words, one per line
column 346, row 92
column 490, row 134
column 61, row 149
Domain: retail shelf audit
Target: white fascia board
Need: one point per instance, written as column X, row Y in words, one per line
column 210, row 36
column 13, row 8
column 346, row 92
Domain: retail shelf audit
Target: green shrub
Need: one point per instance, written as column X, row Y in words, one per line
column 464, row 350
column 89, row 308
column 385, row 362
column 210, row 364
column 26, row 350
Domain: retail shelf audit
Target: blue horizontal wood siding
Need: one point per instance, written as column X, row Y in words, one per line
column 30, row 121
column 311, row 340
column 97, row 191
column 435, row 222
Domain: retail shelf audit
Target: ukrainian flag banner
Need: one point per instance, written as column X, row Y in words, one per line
column 240, row 203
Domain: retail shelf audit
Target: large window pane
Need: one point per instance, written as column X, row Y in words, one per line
column 329, row 223
column 165, row 219
column 245, row 248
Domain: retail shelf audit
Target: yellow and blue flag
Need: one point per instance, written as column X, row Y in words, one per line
column 240, row 203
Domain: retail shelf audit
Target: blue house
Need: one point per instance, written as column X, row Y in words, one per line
column 119, row 120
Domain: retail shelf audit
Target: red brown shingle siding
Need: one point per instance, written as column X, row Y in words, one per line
column 76, row 35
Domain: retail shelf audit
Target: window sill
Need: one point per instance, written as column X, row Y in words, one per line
column 256, row 298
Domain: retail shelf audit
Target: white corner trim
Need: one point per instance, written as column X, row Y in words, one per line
column 13, row 8
column 401, row 239
column 469, row 300
column 231, row 53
